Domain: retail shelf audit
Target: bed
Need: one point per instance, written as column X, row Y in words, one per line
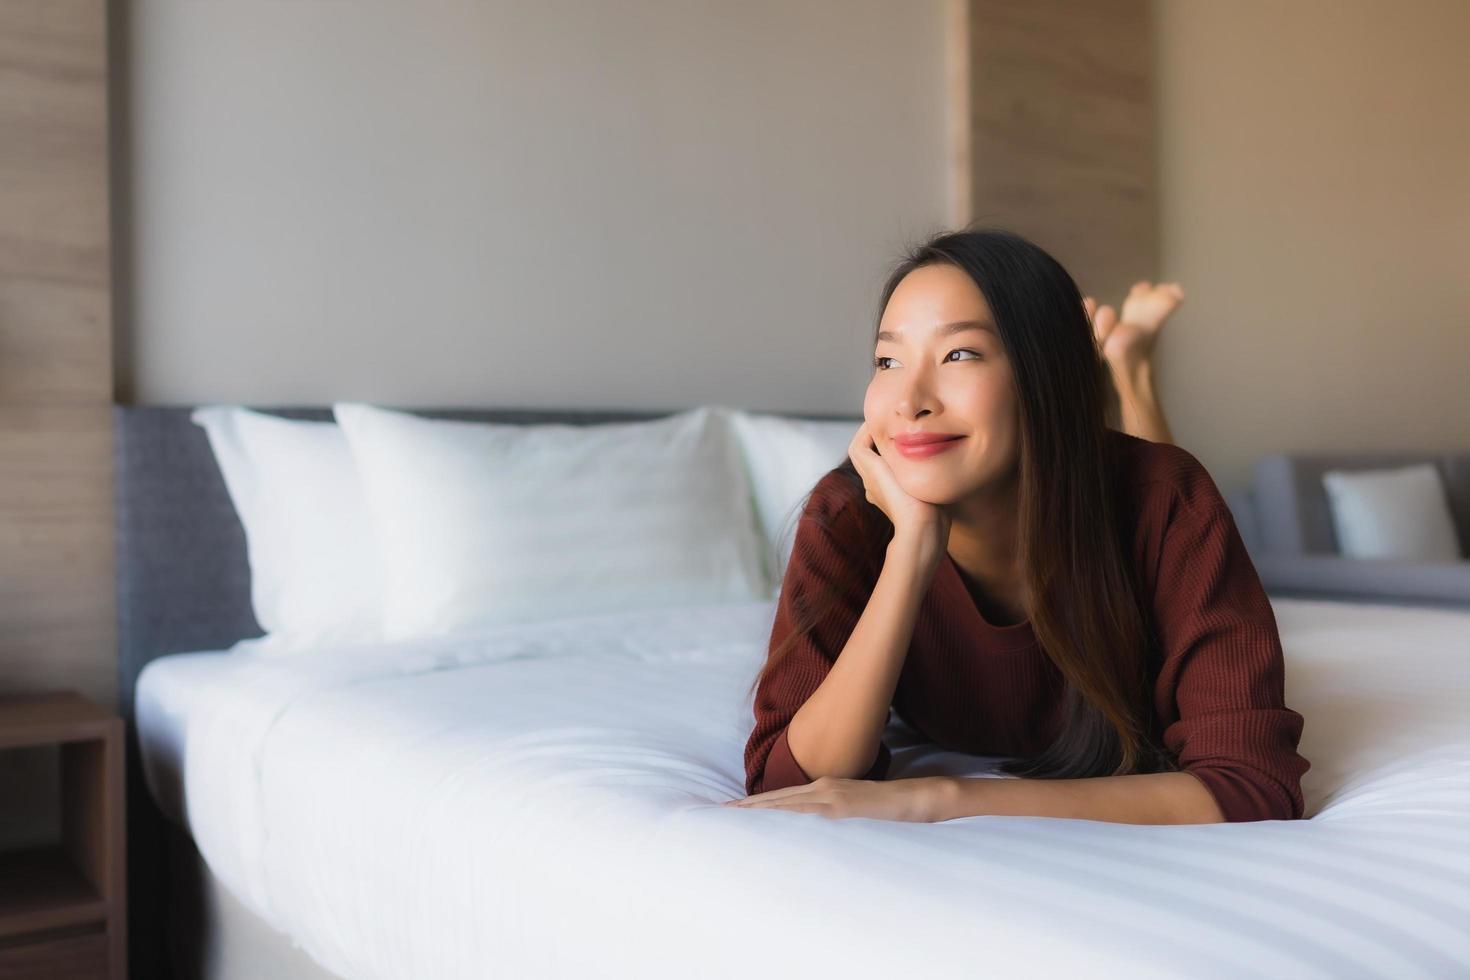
column 541, row 800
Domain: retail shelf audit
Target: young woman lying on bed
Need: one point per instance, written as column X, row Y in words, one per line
column 1038, row 586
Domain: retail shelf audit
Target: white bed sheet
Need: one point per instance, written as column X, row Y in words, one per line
column 542, row 801
column 170, row 691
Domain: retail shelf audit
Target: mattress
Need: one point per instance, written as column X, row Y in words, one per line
column 542, row 800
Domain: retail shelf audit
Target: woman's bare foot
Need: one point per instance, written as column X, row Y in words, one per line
column 1127, row 344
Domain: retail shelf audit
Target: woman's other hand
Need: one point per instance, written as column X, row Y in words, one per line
column 914, row 800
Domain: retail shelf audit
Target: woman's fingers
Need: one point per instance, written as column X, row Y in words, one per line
column 871, row 466
column 777, row 795
column 861, row 451
column 855, row 446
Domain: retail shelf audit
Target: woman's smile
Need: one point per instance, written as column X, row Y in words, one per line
column 924, row 450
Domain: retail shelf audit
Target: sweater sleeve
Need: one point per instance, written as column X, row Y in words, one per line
column 820, row 555
column 1222, row 662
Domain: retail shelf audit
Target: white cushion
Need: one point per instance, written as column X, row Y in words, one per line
column 482, row 524
column 1397, row 513
column 313, row 566
column 785, row 458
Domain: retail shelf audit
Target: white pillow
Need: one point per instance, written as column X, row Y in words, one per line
column 483, row 523
column 313, row 565
column 1393, row 513
column 785, row 458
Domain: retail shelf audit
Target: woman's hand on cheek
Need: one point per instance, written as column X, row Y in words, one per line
column 907, row 513
column 909, row 800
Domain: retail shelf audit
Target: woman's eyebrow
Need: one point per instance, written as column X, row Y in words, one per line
column 959, row 326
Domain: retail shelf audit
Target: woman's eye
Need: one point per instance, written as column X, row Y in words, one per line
column 878, row 361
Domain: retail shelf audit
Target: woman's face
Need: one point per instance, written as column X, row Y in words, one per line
column 940, row 367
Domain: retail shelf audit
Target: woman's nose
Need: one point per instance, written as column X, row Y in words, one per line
column 917, row 397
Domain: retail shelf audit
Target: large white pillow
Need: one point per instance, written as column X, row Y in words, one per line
column 785, row 458
column 483, row 523
column 1392, row 513
column 313, row 564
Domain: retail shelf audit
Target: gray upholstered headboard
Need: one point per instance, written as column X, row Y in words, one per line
column 183, row 581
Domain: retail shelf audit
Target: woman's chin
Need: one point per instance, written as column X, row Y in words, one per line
column 936, row 492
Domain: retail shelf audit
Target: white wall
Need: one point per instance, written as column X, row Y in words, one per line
column 644, row 204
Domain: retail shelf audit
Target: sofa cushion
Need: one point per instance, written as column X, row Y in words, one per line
column 1291, row 509
column 1398, row 513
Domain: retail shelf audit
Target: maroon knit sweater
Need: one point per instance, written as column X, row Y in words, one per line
column 967, row 685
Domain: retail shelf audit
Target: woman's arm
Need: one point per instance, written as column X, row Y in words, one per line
column 1221, row 685
column 823, row 705
column 837, row 730
column 1143, row 798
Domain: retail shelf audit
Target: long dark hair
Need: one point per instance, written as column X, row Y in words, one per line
column 1073, row 549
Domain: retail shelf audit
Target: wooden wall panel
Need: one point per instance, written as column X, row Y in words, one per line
column 1051, row 107
column 56, row 559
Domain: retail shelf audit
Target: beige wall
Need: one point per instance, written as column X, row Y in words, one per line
column 556, row 204
column 1314, row 162
column 641, row 204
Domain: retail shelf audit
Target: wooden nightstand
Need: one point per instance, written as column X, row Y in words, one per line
column 63, row 907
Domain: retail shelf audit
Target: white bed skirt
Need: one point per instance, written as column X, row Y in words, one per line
column 212, row 936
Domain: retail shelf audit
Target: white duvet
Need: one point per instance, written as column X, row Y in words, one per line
column 543, row 801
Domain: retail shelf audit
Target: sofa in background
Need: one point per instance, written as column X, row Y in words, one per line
column 1286, row 523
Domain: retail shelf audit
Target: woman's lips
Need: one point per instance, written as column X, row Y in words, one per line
column 927, row 449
